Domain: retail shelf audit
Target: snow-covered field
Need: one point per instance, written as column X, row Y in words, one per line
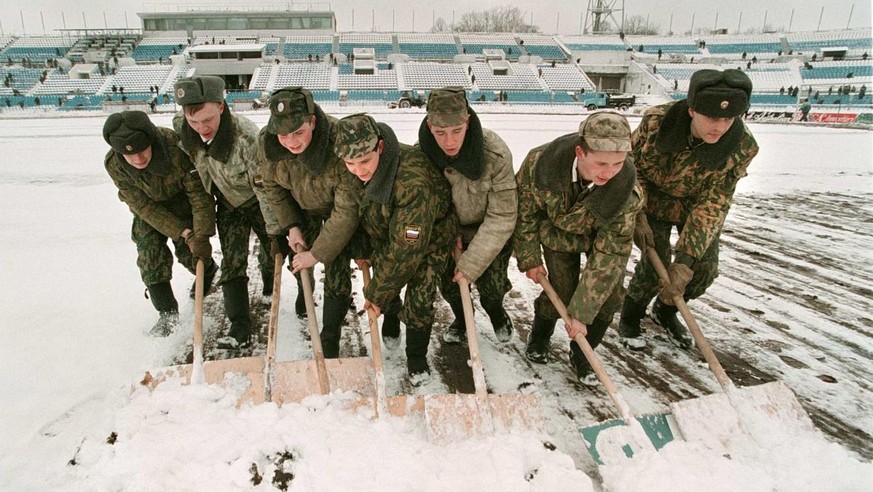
column 793, row 303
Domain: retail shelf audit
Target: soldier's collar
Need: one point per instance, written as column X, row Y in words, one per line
column 470, row 161
column 381, row 187
column 674, row 135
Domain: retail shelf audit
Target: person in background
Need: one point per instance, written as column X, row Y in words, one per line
column 223, row 147
column 163, row 192
column 478, row 165
column 690, row 155
column 577, row 195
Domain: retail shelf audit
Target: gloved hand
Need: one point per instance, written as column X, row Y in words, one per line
column 279, row 246
column 200, row 247
column 680, row 275
column 643, row 236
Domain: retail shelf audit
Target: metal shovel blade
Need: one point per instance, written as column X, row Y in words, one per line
column 604, row 439
column 451, row 418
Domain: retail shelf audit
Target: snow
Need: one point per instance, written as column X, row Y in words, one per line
column 74, row 326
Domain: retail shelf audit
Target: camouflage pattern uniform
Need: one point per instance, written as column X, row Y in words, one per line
column 689, row 185
column 405, row 210
column 165, row 198
column 565, row 219
column 227, row 168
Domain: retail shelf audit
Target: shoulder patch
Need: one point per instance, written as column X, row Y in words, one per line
column 412, row 233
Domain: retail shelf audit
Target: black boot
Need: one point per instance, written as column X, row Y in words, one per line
column 333, row 315
column 391, row 331
column 267, row 277
column 629, row 330
column 457, row 331
column 236, row 306
column 417, row 341
column 538, row 341
column 580, row 364
column 665, row 315
column 164, row 301
column 499, row 319
column 209, row 271
column 300, row 302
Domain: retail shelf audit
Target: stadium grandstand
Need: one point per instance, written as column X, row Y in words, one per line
column 258, row 51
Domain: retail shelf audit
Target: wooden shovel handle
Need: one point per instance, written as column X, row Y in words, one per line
column 620, row 404
column 272, row 330
column 381, row 407
column 197, row 370
column 314, row 337
column 702, row 342
column 473, row 340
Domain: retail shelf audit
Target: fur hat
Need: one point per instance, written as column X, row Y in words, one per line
column 289, row 109
column 199, row 89
column 129, row 132
column 719, row 94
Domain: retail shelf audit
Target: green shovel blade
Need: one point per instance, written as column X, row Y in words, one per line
column 657, row 428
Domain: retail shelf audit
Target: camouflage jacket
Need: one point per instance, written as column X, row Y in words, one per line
column 406, row 213
column 229, row 162
column 565, row 216
column 315, row 182
column 167, row 191
column 687, row 181
column 484, row 192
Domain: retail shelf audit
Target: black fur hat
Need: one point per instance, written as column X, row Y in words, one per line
column 719, row 94
column 129, row 132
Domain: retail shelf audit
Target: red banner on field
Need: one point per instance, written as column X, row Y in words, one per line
column 833, row 117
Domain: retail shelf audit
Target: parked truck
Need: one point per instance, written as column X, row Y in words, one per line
column 409, row 99
column 595, row 100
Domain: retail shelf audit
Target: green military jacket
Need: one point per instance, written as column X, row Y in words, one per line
column 687, row 181
column 229, row 162
column 405, row 211
column 316, row 182
column 167, row 191
column 484, row 192
column 562, row 215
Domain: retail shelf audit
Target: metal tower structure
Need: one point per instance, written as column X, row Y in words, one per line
column 599, row 18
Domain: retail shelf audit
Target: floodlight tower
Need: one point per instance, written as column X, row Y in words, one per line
column 600, row 12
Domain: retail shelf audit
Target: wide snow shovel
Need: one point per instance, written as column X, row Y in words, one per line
column 459, row 416
column 718, row 420
column 614, row 440
column 259, row 379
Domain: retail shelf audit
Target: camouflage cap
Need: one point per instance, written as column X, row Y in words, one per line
column 199, row 89
column 129, row 132
column 289, row 109
column 606, row 131
column 356, row 135
column 447, row 107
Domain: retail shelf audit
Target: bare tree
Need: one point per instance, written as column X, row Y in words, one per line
column 440, row 25
column 640, row 24
column 498, row 19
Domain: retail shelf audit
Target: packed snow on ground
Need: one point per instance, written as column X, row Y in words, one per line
column 74, row 322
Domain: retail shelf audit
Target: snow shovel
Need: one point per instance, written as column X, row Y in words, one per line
column 460, row 416
column 259, row 379
column 718, row 420
column 617, row 439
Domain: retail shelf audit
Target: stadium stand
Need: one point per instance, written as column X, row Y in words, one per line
column 422, row 75
column 435, row 46
column 381, row 43
column 667, row 44
column 594, row 43
column 141, row 78
column 543, row 46
column 36, row 49
column 152, row 49
column 473, row 44
column 301, row 47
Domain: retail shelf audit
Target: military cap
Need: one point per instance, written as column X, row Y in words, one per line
column 199, row 89
column 289, row 109
column 356, row 135
column 447, row 107
column 606, row 131
column 719, row 94
column 129, row 132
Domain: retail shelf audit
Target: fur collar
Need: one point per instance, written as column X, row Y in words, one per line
column 222, row 144
column 158, row 166
column 470, row 161
column 554, row 173
column 674, row 135
column 381, row 187
column 316, row 156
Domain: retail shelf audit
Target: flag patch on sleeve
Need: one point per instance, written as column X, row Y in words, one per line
column 412, row 233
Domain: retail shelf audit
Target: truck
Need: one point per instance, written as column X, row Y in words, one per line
column 595, row 100
column 409, row 99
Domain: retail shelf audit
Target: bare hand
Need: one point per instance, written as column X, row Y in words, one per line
column 296, row 241
column 460, row 275
column 535, row 273
column 576, row 327
column 377, row 311
column 302, row 261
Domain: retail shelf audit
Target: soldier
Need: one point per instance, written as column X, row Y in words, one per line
column 478, row 165
column 223, row 147
column 690, row 154
column 161, row 187
column 312, row 200
column 405, row 210
column 578, row 195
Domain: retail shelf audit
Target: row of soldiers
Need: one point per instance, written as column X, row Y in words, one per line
column 424, row 217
